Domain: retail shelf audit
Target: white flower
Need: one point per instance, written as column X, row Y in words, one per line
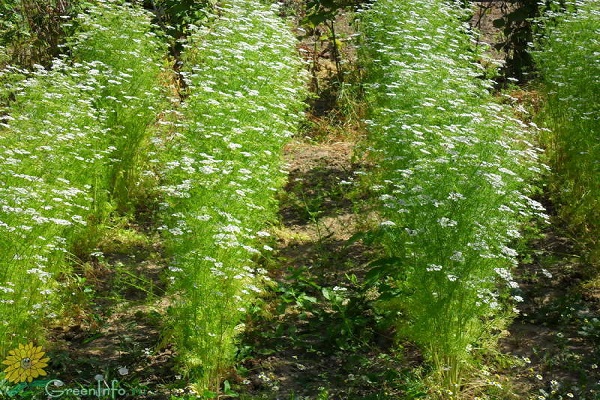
column 503, row 273
column 546, row 273
column 513, row 233
column 457, row 256
column 446, row 222
column 455, row 196
column 411, row 232
column 508, row 251
column 434, row 267
column 123, row 371
column 231, row 229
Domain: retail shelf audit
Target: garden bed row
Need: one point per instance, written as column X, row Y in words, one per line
column 454, row 179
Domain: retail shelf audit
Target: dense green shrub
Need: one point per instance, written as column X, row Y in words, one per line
column 568, row 58
column 244, row 90
column 31, row 31
column 517, row 24
column 452, row 173
column 175, row 17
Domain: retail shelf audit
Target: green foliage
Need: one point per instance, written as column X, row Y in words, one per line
column 319, row 22
column 244, row 90
column 53, row 160
column 453, row 168
column 32, row 31
column 517, row 28
column 177, row 17
column 323, row 11
column 345, row 316
column 63, row 140
column 129, row 59
column 567, row 57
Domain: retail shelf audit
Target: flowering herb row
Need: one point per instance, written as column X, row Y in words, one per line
column 243, row 102
column 567, row 55
column 73, row 148
column 69, row 146
column 453, row 172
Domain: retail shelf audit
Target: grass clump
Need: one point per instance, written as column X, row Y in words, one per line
column 243, row 100
column 567, row 56
column 453, row 173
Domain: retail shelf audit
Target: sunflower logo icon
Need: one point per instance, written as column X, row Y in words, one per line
column 25, row 363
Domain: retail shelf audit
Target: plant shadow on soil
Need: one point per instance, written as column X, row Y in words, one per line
column 557, row 333
column 113, row 326
column 316, row 334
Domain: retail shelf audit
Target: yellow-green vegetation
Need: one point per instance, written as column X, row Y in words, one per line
column 242, row 103
column 70, row 143
column 567, row 56
column 127, row 58
column 141, row 163
column 454, row 172
column 75, row 144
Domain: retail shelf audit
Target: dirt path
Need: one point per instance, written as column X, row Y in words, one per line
column 114, row 332
column 557, row 334
column 316, row 338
